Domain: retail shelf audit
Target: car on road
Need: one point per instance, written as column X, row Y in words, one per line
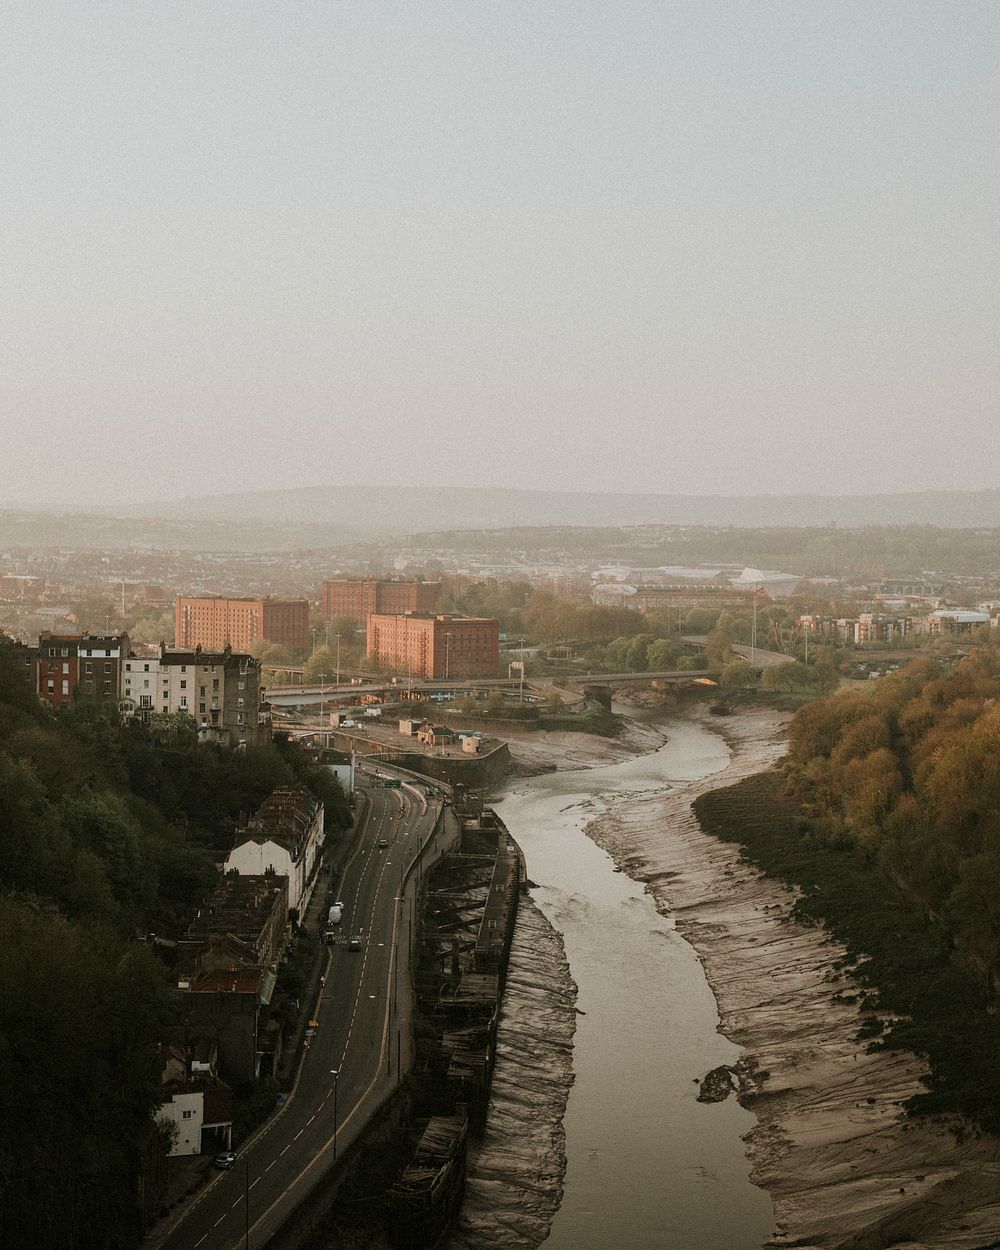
column 225, row 1160
column 355, row 944
column 383, row 843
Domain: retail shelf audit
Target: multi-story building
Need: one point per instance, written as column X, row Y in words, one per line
column 221, row 690
column 285, row 836
column 422, row 645
column 214, row 622
column 57, row 668
column 100, row 666
column 227, row 969
column 359, row 599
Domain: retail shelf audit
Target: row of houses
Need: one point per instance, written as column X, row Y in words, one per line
column 884, row 627
column 220, row 690
column 226, row 968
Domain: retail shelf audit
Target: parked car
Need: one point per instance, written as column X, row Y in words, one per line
column 225, row 1160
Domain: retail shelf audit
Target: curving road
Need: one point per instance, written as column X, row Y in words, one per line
column 353, row 1061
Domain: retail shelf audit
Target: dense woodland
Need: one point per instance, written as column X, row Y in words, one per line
column 887, row 817
column 106, row 836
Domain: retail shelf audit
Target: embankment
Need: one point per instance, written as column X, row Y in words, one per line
column 846, row 1168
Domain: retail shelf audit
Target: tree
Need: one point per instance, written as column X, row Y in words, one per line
column 738, row 674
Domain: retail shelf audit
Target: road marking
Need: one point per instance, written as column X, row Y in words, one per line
column 219, row 1220
column 203, row 1237
column 310, row 1120
column 252, row 1183
column 288, row 1147
column 270, row 1165
column 236, row 1203
column 298, row 1134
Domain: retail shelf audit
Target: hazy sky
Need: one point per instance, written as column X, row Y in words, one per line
column 699, row 246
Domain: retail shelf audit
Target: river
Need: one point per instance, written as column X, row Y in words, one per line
column 648, row 1166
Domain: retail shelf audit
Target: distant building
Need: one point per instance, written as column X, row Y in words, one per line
column 214, row 623
column 422, row 645
column 360, row 599
column 683, row 596
column 220, row 690
column 956, row 622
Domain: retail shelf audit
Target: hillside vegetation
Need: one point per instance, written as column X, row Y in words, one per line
column 888, row 819
column 104, row 838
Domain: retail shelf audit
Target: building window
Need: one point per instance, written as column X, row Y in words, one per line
column 88, row 667
column 145, row 668
column 188, row 1114
column 201, row 708
column 184, row 685
column 202, row 692
column 65, row 687
column 184, row 701
column 51, row 686
column 65, row 668
column 107, row 668
column 52, row 650
column 107, row 687
column 64, row 651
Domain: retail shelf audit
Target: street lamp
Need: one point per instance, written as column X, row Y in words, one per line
column 335, row 1073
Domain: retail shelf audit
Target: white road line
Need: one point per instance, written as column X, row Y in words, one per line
column 236, row 1203
column 270, row 1165
column 310, row 1120
column 219, row 1220
column 288, row 1147
column 252, row 1183
column 298, row 1134
column 203, row 1237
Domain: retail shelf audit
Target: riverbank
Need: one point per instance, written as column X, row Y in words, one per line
column 845, row 1167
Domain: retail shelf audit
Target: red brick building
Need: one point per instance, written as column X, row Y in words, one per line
column 57, row 668
column 215, row 623
column 422, row 645
column 359, row 599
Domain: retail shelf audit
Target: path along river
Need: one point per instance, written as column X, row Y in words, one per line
column 648, row 1166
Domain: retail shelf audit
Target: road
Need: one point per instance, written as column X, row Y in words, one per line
column 352, row 1062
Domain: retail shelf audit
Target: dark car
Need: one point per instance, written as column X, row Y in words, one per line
column 355, row 944
column 383, row 843
column 225, row 1160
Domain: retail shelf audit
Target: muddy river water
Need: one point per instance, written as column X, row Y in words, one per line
column 648, row 1165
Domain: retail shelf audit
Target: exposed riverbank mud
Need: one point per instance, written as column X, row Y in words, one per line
column 515, row 1174
column 845, row 1168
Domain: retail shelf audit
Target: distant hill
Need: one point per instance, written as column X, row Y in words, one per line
column 336, row 516
column 379, row 511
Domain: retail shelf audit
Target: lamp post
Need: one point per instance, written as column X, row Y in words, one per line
column 335, row 1073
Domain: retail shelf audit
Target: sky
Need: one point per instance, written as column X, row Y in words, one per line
column 698, row 247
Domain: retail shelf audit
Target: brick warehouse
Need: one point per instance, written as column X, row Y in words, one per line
column 214, row 623
column 359, row 599
column 423, row 645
